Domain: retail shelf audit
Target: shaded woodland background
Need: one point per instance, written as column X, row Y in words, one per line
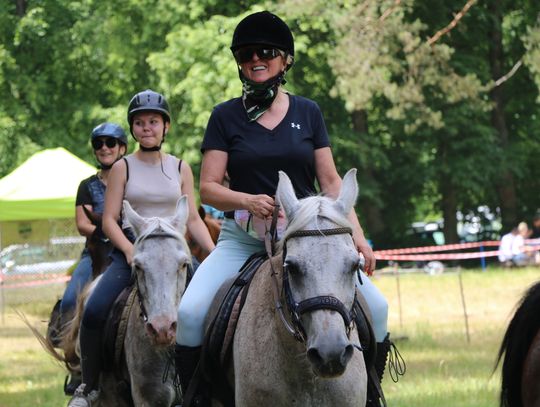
column 435, row 102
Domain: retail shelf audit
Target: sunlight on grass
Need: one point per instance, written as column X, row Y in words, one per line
column 443, row 369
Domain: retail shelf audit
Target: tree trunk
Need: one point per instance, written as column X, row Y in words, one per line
column 20, row 7
column 449, row 209
column 373, row 224
column 505, row 185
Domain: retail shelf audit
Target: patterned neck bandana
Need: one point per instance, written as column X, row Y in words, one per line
column 257, row 97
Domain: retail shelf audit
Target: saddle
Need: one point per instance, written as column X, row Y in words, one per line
column 113, row 339
column 115, row 327
column 217, row 345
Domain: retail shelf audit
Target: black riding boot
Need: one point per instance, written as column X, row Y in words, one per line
column 186, row 359
column 71, row 383
column 382, row 356
column 91, row 357
column 373, row 397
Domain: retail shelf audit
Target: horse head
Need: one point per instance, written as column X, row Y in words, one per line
column 320, row 264
column 160, row 266
column 99, row 246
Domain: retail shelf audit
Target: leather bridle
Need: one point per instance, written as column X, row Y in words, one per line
column 297, row 309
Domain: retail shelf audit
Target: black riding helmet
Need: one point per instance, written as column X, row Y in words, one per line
column 148, row 101
column 112, row 130
column 264, row 28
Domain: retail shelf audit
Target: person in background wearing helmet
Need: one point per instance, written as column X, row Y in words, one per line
column 109, row 143
column 152, row 182
column 251, row 138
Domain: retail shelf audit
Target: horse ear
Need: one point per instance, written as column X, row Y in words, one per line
column 132, row 218
column 349, row 192
column 181, row 214
column 285, row 195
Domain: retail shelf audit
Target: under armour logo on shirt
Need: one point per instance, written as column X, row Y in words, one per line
column 293, row 125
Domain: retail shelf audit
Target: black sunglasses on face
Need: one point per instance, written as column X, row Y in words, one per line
column 246, row 54
column 97, row 143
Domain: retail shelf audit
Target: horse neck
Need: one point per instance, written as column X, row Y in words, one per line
column 99, row 251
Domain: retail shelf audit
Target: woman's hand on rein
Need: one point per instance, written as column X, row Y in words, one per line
column 260, row 206
column 369, row 257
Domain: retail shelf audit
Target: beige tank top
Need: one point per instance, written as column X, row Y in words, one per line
column 151, row 190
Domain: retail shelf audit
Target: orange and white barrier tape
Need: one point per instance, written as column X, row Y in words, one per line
column 417, row 253
column 443, row 248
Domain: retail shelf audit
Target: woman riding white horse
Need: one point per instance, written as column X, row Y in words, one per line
column 152, row 182
column 251, row 138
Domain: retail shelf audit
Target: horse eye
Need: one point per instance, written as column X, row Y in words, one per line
column 292, row 268
column 358, row 265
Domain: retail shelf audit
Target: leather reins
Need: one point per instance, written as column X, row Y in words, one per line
column 297, row 309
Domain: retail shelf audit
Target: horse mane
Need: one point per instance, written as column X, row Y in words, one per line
column 515, row 345
column 311, row 210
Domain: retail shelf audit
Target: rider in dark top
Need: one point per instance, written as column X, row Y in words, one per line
column 109, row 143
column 287, row 147
column 251, row 138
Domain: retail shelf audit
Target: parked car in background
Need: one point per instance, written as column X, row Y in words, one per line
column 56, row 257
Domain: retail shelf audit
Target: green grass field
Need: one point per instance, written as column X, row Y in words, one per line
column 443, row 368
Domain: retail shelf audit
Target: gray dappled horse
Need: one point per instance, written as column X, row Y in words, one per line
column 319, row 261
column 160, row 267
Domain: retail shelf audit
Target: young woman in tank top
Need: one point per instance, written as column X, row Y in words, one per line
column 152, row 182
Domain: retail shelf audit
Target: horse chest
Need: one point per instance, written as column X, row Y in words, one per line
column 273, row 370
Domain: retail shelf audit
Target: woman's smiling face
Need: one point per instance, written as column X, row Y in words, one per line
column 260, row 70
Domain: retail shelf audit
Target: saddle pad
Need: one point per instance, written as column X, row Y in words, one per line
column 218, row 339
column 219, row 326
column 111, row 331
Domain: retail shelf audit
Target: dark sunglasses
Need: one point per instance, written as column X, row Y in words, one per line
column 243, row 55
column 110, row 142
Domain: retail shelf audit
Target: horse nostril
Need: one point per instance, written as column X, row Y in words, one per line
column 173, row 326
column 151, row 330
column 347, row 354
column 314, row 356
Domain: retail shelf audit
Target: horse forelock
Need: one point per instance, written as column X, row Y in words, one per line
column 310, row 212
column 159, row 227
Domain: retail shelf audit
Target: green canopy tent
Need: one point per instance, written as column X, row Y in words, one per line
column 43, row 187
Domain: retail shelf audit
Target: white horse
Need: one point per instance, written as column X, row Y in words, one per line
column 160, row 268
column 308, row 356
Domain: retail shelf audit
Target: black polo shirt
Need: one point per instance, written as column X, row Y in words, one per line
column 256, row 154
